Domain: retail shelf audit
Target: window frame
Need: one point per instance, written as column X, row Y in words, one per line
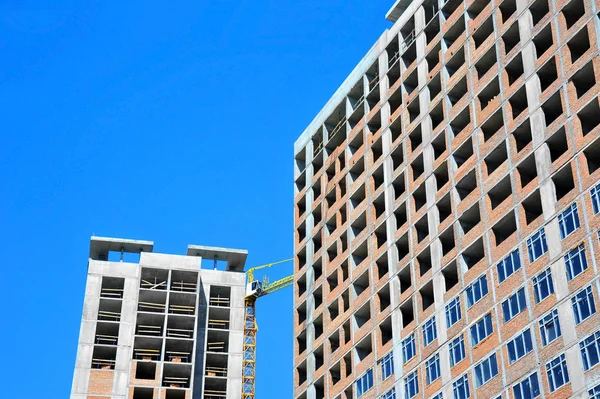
column 457, row 345
column 476, row 291
column 571, row 214
column 409, row 342
column 508, row 266
column 461, row 382
column 528, row 380
column 576, row 253
column 489, row 364
column 391, row 394
column 387, row 366
column 595, row 197
column 429, row 328
column 485, row 326
column 543, row 279
column 363, row 381
column 523, row 340
column 551, row 318
column 594, row 392
column 557, row 368
column 537, row 238
column 412, row 378
column 432, row 369
column 453, row 309
column 591, row 341
column 584, row 295
column 508, row 307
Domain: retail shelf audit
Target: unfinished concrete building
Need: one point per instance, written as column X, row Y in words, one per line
column 447, row 209
column 157, row 326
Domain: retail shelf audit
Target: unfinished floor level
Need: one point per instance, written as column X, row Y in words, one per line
column 158, row 326
column 447, row 209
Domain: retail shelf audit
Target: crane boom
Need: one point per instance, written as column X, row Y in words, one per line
column 256, row 289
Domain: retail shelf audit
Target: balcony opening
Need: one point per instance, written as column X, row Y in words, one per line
column 362, row 316
column 538, row 10
column 345, row 300
column 381, row 265
column 588, row 116
column 447, row 241
column 143, row 393
column 507, row 9
column 402, row 246
column 335, row 374
column 466, row 185
column 399, row 186
column 334, row 341
column 397, row 156
column 426, row 293
column 469, row 219
column 439, row 145
column 486, row 62
column 383, row 298
column 301, row 342
column 518, row 102
column 557, row 144
column 363, row 349
column 483, row 32
column 441, row 176
column 584, row 79
column 415, row 138
column 361, row 284
column 522, row 135
column 405, row 280
column 414, row 109
column 552, row 108
column 532, row 206
column 378, row 178
column 500, row 192
column 456, row 62
column 318, row 326
column 573, row 11
column 317, row 268
column 422, row 229
column 419, row 198
column 379, row 206
column 579, row 44
column 417, row 167
column 592, row 156
column 527, row 171
column 492, row 126
column 547, row 74
column 496, row 158
column 400, row 215
column 514, row 69
column 511, row 38
column 489, row 93
column 318, row 354
column 460, row 122
column 434, row 86
column 563, row 182
column 407, row 312
column 334, row 310
column 504, row 228
column 318, row 296
column 463, row 153
column 458, row 91
column 433, row 57
column 444, row 208
column 385, row 330
column 543, row 41
column 411, row 82
column 424, row 260
column 437, row 116
column 360, row 254
column 473, row 254
column 450, row 274
column 454, row 32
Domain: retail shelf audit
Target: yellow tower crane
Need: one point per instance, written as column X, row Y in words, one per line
column 254, row 290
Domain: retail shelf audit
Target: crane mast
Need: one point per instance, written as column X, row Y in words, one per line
column 254, row 290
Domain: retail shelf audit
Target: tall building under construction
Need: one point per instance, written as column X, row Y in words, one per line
column 159, row 326
column 447, row 207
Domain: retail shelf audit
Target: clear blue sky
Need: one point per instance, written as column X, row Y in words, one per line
column 142, row 119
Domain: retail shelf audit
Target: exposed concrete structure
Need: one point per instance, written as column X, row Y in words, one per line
column 448, row 206
column 160, row 327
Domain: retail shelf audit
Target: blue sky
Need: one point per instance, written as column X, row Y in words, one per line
column 143, row 120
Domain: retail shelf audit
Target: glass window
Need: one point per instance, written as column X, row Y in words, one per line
column 536, row 245
column 432, row 366
column 411, row 385
column 387, row 366
column 408, row 348
column 457, row 350
column 596, row 198
column 558, row 374
column 486, row 370
column 364, row 383
column 460, row 388
column 391, row 394
column 429, row 331
column 514, row 305
column 477, row 290
column 583, row 304
column 568, row 221
column 529, row 388
column 508, row 265
column 543, row 285
column 453, row 312
column 575, row 262
column 594, row 393
column 519, row 346
column 549, row 327
column 481, row 329
column 590, row 351
column 438, row 396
